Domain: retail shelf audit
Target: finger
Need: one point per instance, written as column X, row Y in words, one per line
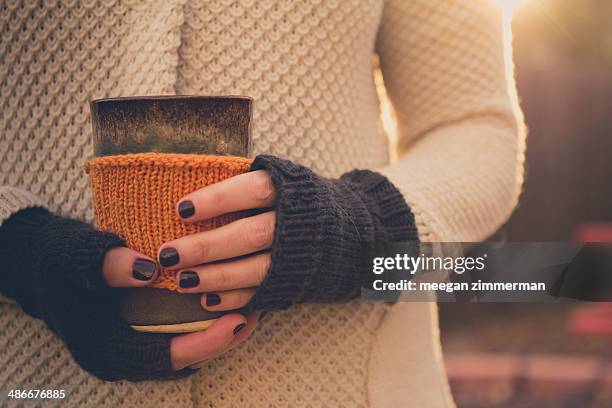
column 252, row 321
column 242, row 273
column 243, row 192
column 242, row 237
column 192, row 348
column 124, row 267
column 228, row 300
column 240, row 337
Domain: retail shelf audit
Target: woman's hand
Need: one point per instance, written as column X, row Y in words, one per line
column 65, row 272
column 227, row 264
column 305, row 243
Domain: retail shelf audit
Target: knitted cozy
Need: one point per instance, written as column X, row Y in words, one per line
column 135, row 197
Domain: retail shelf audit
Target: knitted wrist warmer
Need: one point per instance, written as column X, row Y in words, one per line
column 53, row 269
column 321, row 226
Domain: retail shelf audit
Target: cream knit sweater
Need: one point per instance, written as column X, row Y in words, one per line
column 308, row 65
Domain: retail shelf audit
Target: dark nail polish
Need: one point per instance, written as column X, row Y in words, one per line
column 143, row 269
column 238, row 328
column 262, row 315
column 168, row 257
column 186, row 209
column 212, row 299
column 189, row 279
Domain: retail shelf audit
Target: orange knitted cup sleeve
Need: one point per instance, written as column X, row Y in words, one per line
column 135, row 197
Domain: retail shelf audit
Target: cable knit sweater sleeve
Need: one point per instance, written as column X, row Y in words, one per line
column 461, row 139
column 13, row 199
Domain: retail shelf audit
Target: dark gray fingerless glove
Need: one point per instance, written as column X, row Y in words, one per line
column 52, row 266
column 321, row 226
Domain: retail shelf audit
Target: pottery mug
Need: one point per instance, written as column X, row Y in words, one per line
column 148, row 153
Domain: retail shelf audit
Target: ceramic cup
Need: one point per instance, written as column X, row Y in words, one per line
column 149, row 152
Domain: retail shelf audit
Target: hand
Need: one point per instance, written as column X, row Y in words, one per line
column 64, row 271
column 229, row 263
column 304, row 245
column 124, row 267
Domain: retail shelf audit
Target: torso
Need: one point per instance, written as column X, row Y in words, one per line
column 308, row 66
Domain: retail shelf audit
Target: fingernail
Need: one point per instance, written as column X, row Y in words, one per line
column 168, row 257
column 212, row 299
column 262, row 315
column 189, row 279
column 186, row 209
column 238, row 328
column 143, row 269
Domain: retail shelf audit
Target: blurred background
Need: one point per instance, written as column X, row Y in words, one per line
column 548, row 355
